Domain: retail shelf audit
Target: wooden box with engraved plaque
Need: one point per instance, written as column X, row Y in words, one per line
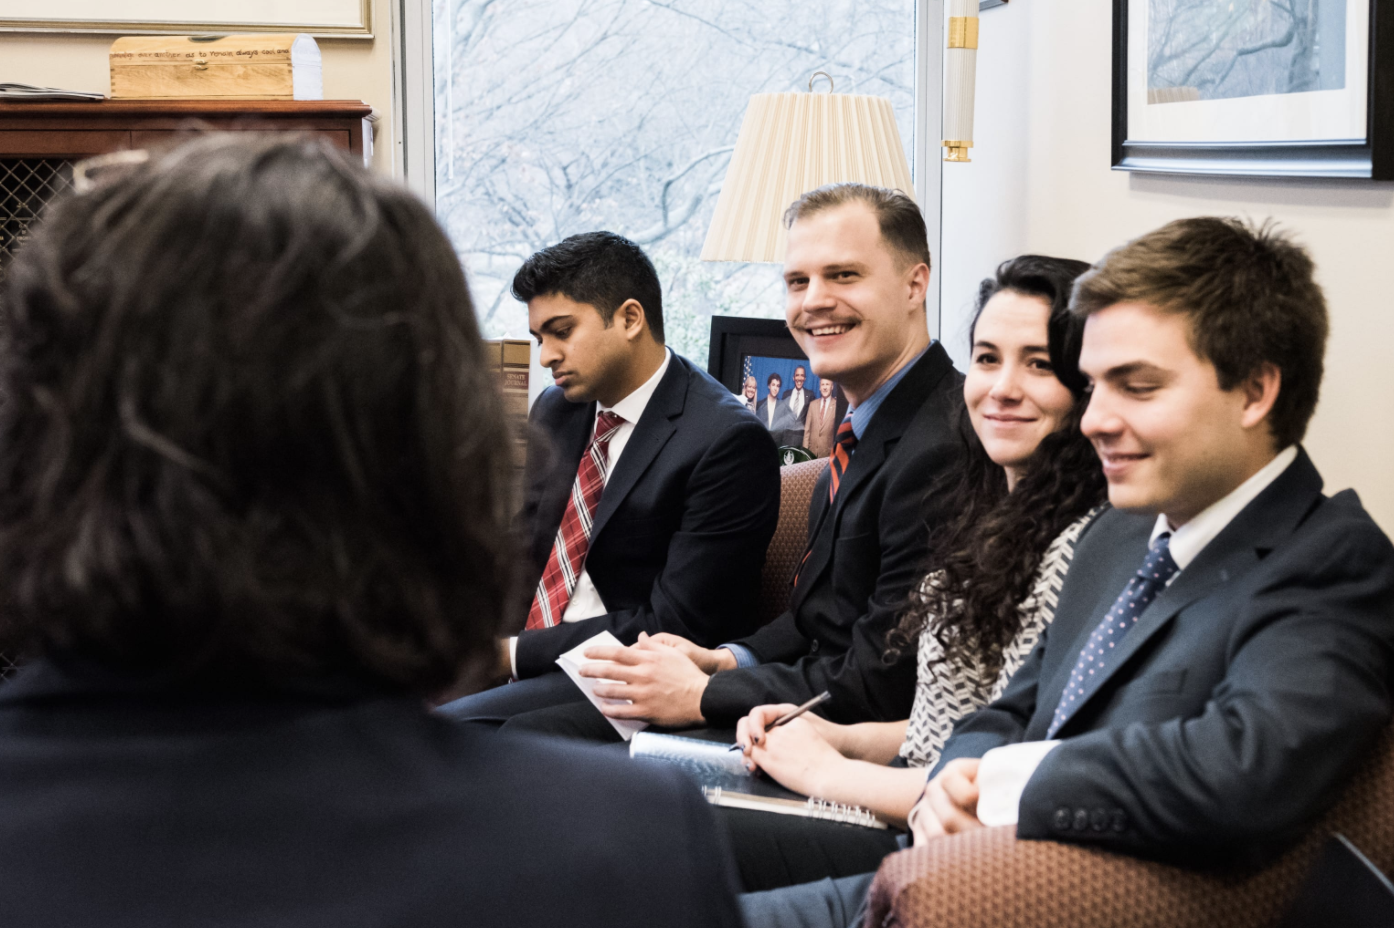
column 216, row 67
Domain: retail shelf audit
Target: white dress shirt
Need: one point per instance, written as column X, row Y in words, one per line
column 585, row 602
column 771, row 404
column 1005, row 771
column 796, row 401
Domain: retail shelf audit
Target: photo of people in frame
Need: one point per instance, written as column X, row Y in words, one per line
column 800, row 409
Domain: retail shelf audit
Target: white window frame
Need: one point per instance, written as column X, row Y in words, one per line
column 414, row 114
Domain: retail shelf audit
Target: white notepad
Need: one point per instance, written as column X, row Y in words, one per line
column 572, row 661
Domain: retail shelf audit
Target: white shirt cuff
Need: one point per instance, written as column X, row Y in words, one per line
column 1002, row 778
column 513, row 657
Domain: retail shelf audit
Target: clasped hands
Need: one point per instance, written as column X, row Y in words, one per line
column 662, row 677
column 949, row 805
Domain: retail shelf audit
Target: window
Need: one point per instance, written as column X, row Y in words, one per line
column 561, row 116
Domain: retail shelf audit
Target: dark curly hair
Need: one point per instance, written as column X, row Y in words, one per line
column 249, row 431
column 989, row 552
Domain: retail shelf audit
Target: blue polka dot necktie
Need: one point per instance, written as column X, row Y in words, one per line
column 1151, row 579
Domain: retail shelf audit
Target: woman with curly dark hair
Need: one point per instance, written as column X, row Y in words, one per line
column 1030, row 483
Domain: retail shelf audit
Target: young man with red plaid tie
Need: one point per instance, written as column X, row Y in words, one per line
column 856, row 273
column 1223, row 647
column 651, row 492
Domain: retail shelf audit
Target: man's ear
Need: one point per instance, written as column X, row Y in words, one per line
column 631, row 318
column 1260, row 393
column 918, row 282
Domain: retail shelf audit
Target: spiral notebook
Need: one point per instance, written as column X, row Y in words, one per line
column 726, row 782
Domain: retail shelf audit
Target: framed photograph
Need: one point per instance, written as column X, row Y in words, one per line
column 321, row 18
column 1274, row 88
column 759, row 361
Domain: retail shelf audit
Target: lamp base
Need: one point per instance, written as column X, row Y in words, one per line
column 955, row 150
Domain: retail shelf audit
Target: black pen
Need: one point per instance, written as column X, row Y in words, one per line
column 790, row 716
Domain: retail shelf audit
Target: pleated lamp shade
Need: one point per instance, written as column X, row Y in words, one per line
column 791, row 143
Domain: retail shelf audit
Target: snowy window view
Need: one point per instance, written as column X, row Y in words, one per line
column 555, row 117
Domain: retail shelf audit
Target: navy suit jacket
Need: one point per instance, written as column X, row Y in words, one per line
column 1236, row 706
column 126, row 804
column 865, row 553
column 680, row 533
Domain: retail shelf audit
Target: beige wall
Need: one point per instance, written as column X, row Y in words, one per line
column 1040, row 181
column 353, row 69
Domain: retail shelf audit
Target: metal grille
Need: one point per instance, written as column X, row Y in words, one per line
column 27, row 185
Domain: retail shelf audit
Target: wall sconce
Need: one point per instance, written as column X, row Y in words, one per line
column 789, row 144
column 960, row 78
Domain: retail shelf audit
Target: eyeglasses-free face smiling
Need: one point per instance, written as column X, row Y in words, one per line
column 1170, row 439
column 854, row 304
column 1013, row 397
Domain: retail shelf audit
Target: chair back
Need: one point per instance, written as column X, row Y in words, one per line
column 796, row 482
column 1345, row 889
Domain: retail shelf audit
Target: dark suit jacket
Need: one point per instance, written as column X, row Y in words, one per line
column 125, row 805
column 680, row 534
column 866, row 552
column 808, row 397
column 1237, row 704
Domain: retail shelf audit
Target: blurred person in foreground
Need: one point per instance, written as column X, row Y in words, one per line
column 254, row 476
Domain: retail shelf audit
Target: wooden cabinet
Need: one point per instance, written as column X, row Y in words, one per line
column 79, row 130
column 40, row 141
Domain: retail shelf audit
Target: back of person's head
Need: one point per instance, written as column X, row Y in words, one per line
column 249, row 428
column 600, row 269
column 1250, row 297
column 988, row 554
column 899, row 218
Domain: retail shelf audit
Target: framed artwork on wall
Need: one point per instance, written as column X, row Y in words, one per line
column 322, row 18
column 759, row 361
column 1272, row 88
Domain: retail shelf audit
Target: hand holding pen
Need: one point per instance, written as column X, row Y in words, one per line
column 790, row 716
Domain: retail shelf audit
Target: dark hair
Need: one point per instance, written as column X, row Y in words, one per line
column 1249, row 294
column 601, row 269
column 990, row 551
column 772, row 378
column 902, row 225
column 249, row 430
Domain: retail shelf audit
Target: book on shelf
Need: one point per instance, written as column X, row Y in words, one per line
column 512, row 359
column 726, row 782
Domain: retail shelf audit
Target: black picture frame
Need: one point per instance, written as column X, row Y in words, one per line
column 1372, row 160
column 734, row 337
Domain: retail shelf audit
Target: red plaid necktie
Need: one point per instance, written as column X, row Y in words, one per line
column 568, row 556
column 841, row 455
column 837, row 466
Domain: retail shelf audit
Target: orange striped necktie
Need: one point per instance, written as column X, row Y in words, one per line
column 838, row 459
column 841, row 456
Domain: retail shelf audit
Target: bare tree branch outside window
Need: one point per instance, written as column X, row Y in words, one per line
column 563, row 116
column 1219, row 49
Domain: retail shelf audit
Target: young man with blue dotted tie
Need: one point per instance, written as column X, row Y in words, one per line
column 1222, row 650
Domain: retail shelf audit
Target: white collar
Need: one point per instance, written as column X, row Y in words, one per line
column 632, row 406
column 1190, row 539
